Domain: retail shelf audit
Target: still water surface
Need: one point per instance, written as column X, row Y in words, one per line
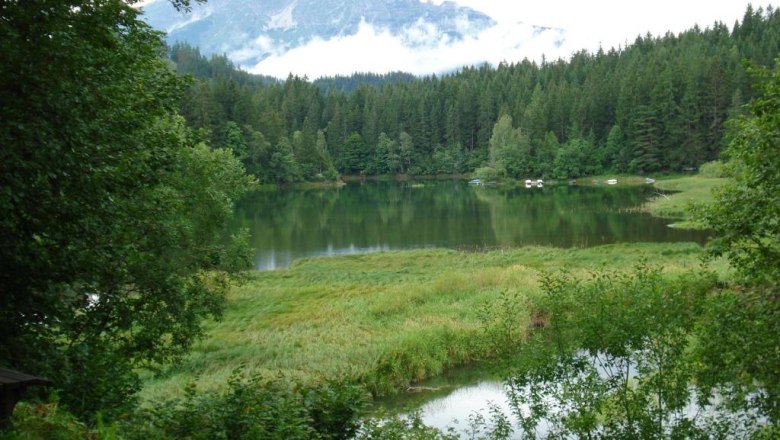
column 379, row 216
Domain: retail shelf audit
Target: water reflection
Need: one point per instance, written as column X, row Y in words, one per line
column 381, row 216
column 455, row 409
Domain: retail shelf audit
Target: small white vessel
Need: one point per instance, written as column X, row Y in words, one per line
column 612, row 182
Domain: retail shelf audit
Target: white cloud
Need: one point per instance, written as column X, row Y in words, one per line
column 420, row 49
column 611, row 23
column 376, row 50
column 421, row 33
column 192, row 18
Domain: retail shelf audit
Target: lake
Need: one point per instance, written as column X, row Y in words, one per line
column 378, row 216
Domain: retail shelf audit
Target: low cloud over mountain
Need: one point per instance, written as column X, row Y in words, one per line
column 328, row 37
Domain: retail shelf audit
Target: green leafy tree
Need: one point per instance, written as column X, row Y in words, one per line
column 234, row 141
column 739, row 342
column 387, row 158
column 283, row 165
column 576, row 158
column 353, row 155
column 509, row 148
column 258, row 155
column 745, row 214
column 111, row 213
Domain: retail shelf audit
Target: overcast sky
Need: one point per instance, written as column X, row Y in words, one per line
column 581, row 24
column 585, row 24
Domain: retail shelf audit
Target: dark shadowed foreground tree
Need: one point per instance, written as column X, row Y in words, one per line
column 111, row 213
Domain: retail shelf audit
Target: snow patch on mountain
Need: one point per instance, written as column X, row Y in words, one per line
column 283, row 20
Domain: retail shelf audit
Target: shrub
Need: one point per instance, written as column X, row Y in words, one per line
column 251, row 408
column 486, row 173
column 715, row 168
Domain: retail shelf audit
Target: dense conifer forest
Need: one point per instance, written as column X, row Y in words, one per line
column 658, row 104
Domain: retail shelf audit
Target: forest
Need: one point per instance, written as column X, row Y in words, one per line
column 658, row 104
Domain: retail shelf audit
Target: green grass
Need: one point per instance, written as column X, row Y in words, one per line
column 385, row 320
column 675, row 196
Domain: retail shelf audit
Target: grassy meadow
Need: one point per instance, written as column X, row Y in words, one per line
column 388, row 319
column 676, row 194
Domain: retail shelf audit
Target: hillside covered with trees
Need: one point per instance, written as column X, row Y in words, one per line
column 658, row 104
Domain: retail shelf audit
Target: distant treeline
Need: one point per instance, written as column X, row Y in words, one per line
column 655, row 105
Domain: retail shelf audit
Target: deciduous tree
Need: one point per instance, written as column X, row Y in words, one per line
column 111, row 213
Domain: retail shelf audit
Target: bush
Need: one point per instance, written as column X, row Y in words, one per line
column 49, row 421
column 487, row 174
column 251, row 408
column 715, row 168
column 331, row 175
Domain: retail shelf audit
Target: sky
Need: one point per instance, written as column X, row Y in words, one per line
column 583, row 25
column 576, row 25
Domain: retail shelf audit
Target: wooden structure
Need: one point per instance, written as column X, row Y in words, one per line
column 12, row 387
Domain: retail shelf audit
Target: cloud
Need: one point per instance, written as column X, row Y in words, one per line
column 419, row 49
column 523, row 29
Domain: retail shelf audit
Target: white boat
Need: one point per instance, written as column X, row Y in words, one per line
column 475, row 182
column 528, row 183
column 649, row 180
column 612, row 182
column 539, row 183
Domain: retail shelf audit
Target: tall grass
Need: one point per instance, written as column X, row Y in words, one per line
column 385, row 320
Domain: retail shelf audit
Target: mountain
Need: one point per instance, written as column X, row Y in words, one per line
column 248, row 31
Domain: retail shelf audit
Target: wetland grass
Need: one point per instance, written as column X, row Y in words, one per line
column 385, row 320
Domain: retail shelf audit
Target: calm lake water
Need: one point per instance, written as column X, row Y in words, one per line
column 379, row 216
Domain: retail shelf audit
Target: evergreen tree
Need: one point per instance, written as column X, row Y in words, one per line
column 644, row 130
column 353, row 155
column 611, row 157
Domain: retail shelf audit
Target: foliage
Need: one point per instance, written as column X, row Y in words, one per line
column 505, row 321
column 744, row 217
column 251, row 408
column 487, row 174
column 576, row 158
column 45, row 421
column 509, row 149
column 615, row 361
column 745, row 214
column 715, row 168
column 112, row 211
column 401, row 428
